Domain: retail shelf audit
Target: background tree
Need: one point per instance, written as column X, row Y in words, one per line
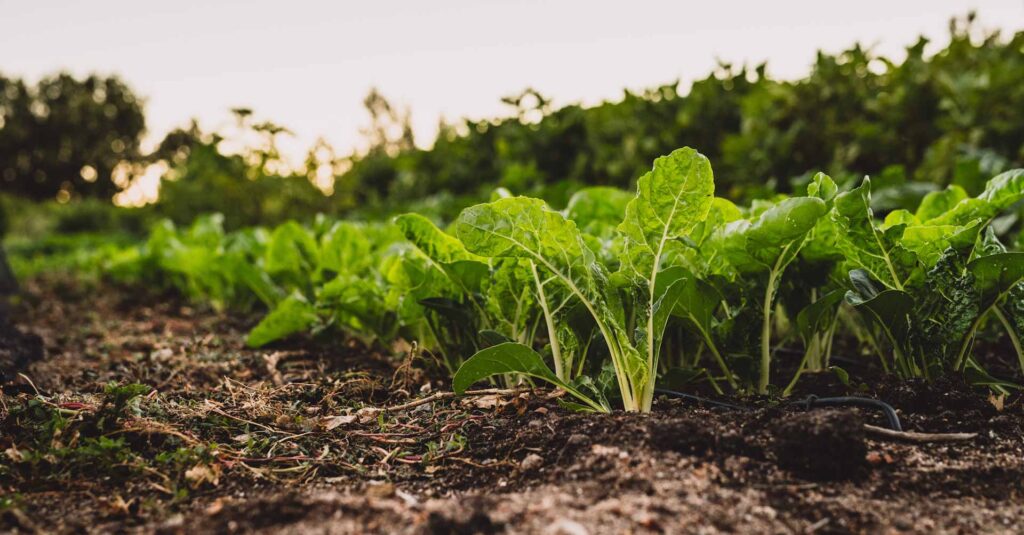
column 64, row 136
column 251, row 187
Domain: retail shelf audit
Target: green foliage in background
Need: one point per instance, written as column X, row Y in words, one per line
column 954, row 116
column 950, row 116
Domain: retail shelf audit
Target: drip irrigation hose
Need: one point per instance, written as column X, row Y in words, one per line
column 698, row 399
column 807, row 403
column 854, row 401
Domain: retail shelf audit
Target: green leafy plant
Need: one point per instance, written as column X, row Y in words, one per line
column 670, row 201
column 619, row 290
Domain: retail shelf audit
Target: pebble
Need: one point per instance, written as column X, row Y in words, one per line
column 531, row 462
column 564, row 526
column 577, row 439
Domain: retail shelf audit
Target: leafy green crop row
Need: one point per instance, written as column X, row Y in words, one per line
column 620, row 291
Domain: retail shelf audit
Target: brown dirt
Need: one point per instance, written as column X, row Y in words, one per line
column 17, row 349
column 291, row 439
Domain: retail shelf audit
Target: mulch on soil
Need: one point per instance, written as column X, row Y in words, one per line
column 297, row 438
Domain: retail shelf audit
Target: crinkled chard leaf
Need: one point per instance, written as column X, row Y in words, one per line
column 671, row 200
column 867, row 246
column 292, row 315
column 597, row 209
column 937, row 203
column 466, row 270
column 1000, row 193
column 292, row 250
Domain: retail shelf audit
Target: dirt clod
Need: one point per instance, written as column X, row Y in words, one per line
column 682, row 435
column 17, row 350
column 531, row 462
column 821, row 444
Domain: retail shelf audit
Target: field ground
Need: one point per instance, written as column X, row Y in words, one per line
column 294, row 439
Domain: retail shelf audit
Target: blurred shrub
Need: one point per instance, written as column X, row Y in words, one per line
column 953, row 116
column 948, row 117
column 64, row 137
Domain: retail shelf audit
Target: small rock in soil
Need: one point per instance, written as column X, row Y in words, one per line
column 821, row 445
column 380, row 489
column 565, row 526
column 531, row 462
column 577, row 439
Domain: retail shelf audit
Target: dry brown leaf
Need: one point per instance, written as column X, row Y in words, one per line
column 489, row 401
column 997, row 401
column 14, row 454
column 215, row 507
column 203, row 473
column 366, row 415
column 332, row 422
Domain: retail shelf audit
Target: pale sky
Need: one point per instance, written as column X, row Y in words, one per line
column 307, row 65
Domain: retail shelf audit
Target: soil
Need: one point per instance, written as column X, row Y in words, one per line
column 17, row 349
column 299, row 438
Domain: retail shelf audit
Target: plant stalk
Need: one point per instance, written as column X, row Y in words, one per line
column 1014, row 338
column 766, row 332
column 556, row 350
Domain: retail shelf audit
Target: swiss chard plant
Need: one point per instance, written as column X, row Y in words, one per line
column 629, row 307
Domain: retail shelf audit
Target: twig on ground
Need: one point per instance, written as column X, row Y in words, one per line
column 919, row 438
column 447, row 395
column 30, row 383
column 208, row 405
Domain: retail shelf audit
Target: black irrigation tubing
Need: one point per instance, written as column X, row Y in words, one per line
column 806, row 403
column 698, row 399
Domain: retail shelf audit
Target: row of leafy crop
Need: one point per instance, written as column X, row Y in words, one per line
column 621, row 290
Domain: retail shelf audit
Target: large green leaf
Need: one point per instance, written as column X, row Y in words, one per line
column 345, row 247
column 937, row 203
column 785, row 223
column 522, row 227
column 511, row 357
column 671, row 199
column 995, row 275
column 434, row 242
column 996, row 278
column 597, row 208
column 465, row 269
column 769, row 244
column 928, row 242
column 1000, row 193
column 510, row 301
column 1005, row 189
column 866, row 246
column 292, row 315
column 357, row 303
column 292, row 250
column 771, row 241
column 255, row 279
column 889, row 309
